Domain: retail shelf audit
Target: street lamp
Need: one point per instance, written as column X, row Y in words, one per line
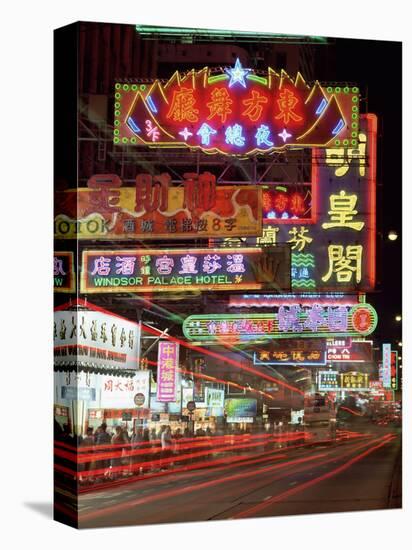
column 398, row 318
column 392, row 235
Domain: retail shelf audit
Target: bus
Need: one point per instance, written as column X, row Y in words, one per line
column 319, row 418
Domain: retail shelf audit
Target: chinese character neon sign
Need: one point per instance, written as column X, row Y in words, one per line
column 234, row 112
column 148, row 270
column 333, row 245
column 290, row 357
column 290, row 322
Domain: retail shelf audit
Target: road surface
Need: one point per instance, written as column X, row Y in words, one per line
column 358, row 474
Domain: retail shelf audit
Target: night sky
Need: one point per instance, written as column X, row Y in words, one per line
column 376, row 67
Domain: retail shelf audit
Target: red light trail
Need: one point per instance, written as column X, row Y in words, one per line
column 303, row 486
column 174, row 492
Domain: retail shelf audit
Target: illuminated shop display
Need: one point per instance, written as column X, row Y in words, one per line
column 156, row 208
column 290, row 357
column 328, row 380
column 147, row 270
column 334, row 251
column 63, row 272
column 167, row 365
column 276, row 300
column 290, row 322
column 235, row 111
column 349, row 350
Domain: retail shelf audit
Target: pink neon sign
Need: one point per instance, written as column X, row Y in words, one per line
column 168, row 360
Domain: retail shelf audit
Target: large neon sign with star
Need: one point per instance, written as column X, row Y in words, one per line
column 235, row 112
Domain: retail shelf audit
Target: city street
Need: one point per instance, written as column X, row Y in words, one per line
column 357, row 474
column 228, row 319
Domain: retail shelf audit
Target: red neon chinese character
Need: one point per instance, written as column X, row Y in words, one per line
column 297, row 204
column 281, row 202
column 254, row 107
column 220, row 104
column 266, row 201
column 182, row 107
column 287, row 103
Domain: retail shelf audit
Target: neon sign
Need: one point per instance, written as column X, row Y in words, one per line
column 168, row 363
column 394, row 370
column 335, row 249
column 289, row 322
column 385, row 372
column 354, row 381
column 154, row 208
column 273, row 300
column 235, row 112
column 63, row 272
column 285, row 202
column 147, row 270
column 290, row 357
column 328, row 380
column 351, row 351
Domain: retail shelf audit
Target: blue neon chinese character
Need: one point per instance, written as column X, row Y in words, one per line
column 234, row 135
column 262, row 136
column 205, row 131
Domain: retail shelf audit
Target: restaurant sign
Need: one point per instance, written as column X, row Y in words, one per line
column 154, row 270
column 288, row 322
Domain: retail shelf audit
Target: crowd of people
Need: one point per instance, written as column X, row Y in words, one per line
column 152, row 448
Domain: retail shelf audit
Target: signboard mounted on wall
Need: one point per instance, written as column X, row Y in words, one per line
column 154, row 270
column 289, row 322
column 157, row 208
column 235, row 111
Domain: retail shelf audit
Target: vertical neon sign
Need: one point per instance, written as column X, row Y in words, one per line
column 168, row 360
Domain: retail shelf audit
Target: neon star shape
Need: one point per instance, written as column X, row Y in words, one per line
column 237, row 74
column 185, row 133
column 284, row 135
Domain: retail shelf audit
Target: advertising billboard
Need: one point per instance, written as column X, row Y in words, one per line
column 64, row 278
column 168, row 270
column 234, row 111
column 335, row 249
column 240, row 409
column 351, row 351
column 95, row 338
column 386, row 366
column 290, row 322
column 158, row 208
column 310, row 358
column 167, row 365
